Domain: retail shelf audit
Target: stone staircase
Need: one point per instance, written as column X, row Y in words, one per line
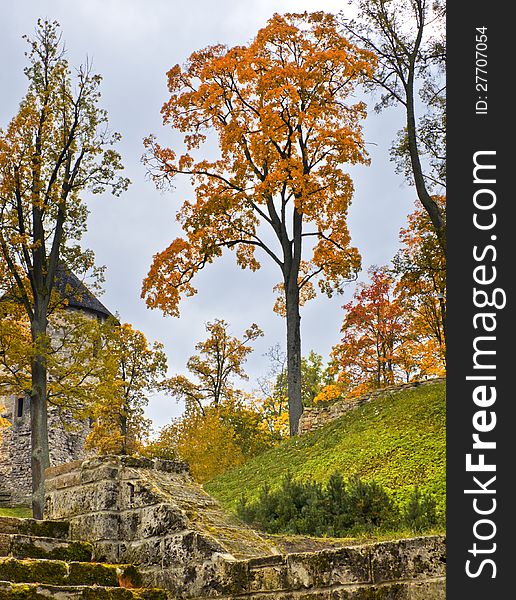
column 38, row 560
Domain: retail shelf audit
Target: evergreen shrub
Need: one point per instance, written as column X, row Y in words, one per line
column 338, row 509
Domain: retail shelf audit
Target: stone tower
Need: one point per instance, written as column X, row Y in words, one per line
column 65, row 443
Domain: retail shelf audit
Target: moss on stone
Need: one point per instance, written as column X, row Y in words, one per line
column 23, row 591
column 83, row 573
column 51, row 529
column 27, row 547
column 33, row 571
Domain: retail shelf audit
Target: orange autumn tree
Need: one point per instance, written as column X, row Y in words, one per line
column 421, row 267
column 374, row 326
column 281, row 110
column 383, row 341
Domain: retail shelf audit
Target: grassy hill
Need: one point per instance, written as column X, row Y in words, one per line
column 398, row 439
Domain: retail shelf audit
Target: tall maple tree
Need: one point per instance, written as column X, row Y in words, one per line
column 56, row 146
column 282, row 110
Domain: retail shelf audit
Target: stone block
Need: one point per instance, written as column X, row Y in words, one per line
column 142, row 552
column 328, row 567
column 136, row 493
column 66, row 503
column 416, row 558
column 95, row 526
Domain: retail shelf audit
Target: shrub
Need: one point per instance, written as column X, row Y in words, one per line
column 338, row 509
column 420, row 512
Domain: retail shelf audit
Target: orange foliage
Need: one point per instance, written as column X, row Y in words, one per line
column 279, row 108
column 421, row 265
column 383, row 342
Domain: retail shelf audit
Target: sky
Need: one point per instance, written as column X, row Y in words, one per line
column 132, row 44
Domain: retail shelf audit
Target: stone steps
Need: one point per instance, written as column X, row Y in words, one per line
column 38, row 560
column 27, row 546
column 5, row 499
column 54, row 529
column 59, row 572
column 36, row 591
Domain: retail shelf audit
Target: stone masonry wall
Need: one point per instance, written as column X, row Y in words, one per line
column 151, row 513
column 66, row 438
column 66, row 443
column 315, row 417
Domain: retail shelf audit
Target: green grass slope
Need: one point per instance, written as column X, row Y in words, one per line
column 398, row 439
column 16, row 512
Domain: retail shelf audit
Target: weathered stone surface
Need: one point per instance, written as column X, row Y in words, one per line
column 54, row 529
column 155, row 516
column 58, row 572
column 24, row 546
column 408, row 559
column 131, row 500
column 320, row 569
column 35, row 591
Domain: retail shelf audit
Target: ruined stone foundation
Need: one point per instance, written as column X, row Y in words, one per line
column 151, row 514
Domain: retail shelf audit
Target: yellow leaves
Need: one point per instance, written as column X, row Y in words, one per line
column 169, row 275
column 306, row 293
column 213, row 440
column 16, row 350
column 329, row 394
column 130, row 369
column 220, row 359
column 208, row 445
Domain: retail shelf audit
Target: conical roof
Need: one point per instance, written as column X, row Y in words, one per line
column 72, row 291
column 76, row 294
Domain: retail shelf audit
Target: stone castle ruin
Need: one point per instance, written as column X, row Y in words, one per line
column 66, row 440
column 151, row 514
column 121, row 527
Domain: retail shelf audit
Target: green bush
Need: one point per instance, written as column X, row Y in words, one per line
column 397, row 440
column 420, row 513
column 338, row 509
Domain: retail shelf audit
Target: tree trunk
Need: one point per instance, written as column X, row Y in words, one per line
column 123, row 429
column 295, row 404
column 40, row 458
column 424, row 197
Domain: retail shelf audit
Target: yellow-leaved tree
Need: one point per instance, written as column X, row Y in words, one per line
column 131, row 370
column 282, row 110
column 221, row 426
column 103, row 371
column 56, row 146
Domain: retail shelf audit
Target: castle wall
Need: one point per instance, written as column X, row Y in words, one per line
column 66, row 443
column 66, row 436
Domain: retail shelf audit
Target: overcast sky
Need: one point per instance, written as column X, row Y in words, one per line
column 133, row 43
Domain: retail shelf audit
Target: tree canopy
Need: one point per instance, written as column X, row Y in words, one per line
column 408, row 37
column 283, row 113
column 54, row 148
